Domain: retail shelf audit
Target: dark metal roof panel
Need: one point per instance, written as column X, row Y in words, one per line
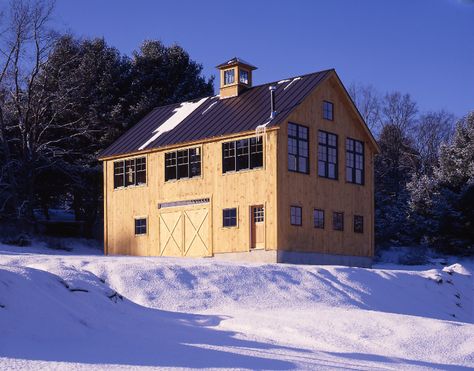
column 216, row 117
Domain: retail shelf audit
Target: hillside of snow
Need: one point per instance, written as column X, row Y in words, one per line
column 80, row 310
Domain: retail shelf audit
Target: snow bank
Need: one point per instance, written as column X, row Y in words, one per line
column 66, row 311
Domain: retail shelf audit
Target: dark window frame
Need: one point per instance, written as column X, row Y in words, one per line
column 241, row 72
column 141, row 226
column 226, row 79
column 137, row 176
column 295, row 219
column 321, row 221
column 328, row 110
column 229, row 220
column 336, row 226
column 242, row 154
column 299, row 141
column 324, row 148
column 354, row 158
column 358, row 224
column 179, row 164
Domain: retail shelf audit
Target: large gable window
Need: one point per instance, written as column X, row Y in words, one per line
column 242, row 154
column 185, row 163
column 229, row 77
column 298, row 148
column 131, row 172
column 354, row 161
column 327, row 155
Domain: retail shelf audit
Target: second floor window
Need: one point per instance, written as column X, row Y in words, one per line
column 242, row 154
column 184, row 163
column 354, row 161
column 229, row 77
column 328, row 110
column 130, row 172
column 327, row 155
column 298, row 148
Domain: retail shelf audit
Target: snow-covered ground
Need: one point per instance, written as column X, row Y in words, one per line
column 80, row 310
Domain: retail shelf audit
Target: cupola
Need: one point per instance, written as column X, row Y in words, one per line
column 236, row 76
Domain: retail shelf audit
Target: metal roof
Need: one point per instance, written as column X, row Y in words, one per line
column 215, row 117
column 234, row 61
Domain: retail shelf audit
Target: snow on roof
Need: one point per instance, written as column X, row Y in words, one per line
column 180, row 113
column 208, row 108
column 292, row 81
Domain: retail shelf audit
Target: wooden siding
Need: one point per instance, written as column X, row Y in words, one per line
column 237, row 189
column 311, row 191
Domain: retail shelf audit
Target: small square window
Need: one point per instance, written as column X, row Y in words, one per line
column 328, row 111
column 318, row 216
column 229, row 77
column 244, row 77
column 358, row 224
column 296, row 215
column 140, row 226
column 338, row 221
column 229, row 217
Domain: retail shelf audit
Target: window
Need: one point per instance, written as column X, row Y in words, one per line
column 140, row 226
column 229, row 217
column 130, row 172
column 318, row 217
column 327, row 155
column 184, row 163
column 298, row 148
column 242, row 154
column 244, row 77
column 354, row 161
column 338, row 221
column 295, row 215
column 258, row 214
column 229, row 77
column 328, row 110
column 358, row 224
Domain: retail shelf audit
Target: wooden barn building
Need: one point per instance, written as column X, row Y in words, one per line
column 280, row 172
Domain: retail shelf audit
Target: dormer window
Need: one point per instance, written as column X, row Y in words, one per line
column 229, row 77
column 244, row 77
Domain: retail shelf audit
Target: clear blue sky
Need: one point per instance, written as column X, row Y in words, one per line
column 423, row 47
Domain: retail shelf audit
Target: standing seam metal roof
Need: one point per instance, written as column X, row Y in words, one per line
column 217, row 117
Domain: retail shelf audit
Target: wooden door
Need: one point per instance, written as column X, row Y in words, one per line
column 185, row 233
column 257, row 227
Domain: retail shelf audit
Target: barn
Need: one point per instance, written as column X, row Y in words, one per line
column 279, row 172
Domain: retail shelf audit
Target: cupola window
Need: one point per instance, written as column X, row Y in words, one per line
column 229, row 77
column 244, row 77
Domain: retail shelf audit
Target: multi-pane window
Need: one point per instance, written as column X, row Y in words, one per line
column 185, row 163
column 140, row 226
column 358, row 224
column 318, row 218
column 244, row 77
column 242, row 154
column 229, row 217
column 338, row 221
column 328, row 110
column 229, row 77
column 296, row 215
column 130, row 172
column 327, row 155
column 354, row 161
column 258, row 214
column 298, row 148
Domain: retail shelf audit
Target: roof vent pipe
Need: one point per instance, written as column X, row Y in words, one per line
column 272, row 102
